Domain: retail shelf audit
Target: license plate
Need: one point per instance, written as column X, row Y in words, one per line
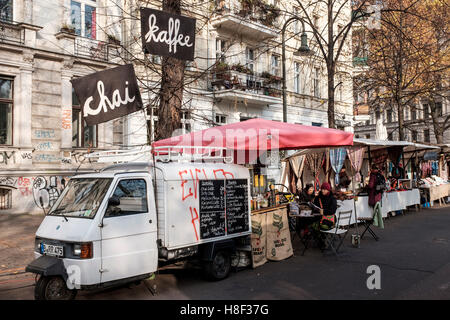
column 52, row 250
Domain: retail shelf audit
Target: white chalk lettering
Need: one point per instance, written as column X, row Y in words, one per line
column 170, row 36
column 104, row 103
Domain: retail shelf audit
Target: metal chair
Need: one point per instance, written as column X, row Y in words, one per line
column 339, row 232
column 368, row 222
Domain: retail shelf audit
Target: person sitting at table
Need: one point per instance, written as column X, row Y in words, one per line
column 307, row 194
column 327, row 202
column 344, row 180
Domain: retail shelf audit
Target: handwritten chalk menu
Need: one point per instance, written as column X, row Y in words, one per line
column 212, row 208
column 237, row 205
column 214, row 202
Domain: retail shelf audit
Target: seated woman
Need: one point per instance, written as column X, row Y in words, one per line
column 307, row 194
column 327, row 202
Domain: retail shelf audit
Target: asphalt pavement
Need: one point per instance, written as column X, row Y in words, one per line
column 413, row 257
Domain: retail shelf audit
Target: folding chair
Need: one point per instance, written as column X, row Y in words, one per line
column 368, row 222
column 339, row 231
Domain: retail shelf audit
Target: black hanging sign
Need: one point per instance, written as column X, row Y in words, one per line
column 167, row 34
column 108, row 94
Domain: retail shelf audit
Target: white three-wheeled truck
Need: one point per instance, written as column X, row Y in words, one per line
column 120, row 224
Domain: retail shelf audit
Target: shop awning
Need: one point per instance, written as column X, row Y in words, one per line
column 261, row 134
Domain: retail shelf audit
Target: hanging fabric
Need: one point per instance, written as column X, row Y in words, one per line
column 297, row 165
column 356, row 156
column 315, row 161
column 337, row 158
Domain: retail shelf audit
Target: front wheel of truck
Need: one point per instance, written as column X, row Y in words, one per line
column 220, row 266
column 53, row 288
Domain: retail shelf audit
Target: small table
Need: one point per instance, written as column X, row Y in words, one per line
column 306, row 221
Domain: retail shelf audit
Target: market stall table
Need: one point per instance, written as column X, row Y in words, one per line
column 390, row 202
column 437, row 192
column 304, row 223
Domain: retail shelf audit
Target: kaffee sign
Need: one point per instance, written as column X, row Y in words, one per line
column 167, row 34
column 108, row 94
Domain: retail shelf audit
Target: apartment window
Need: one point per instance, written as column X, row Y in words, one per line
column 185, row 120
column 221, row 48
column 340, row 85
column 250, row 57
column 377, row 115
column 297, row 77
column 426, row 111
column 221, row 119
column 84, row 18
column 83, row 136
column 6, row 110
column 438, row 109
column 389, row 116
column 316, row 82
column 275, row 65
column 367, row 136
column 426, row 135
column 414, row 135
column 5, row 199
column 413, row 113
column 406, row 114
column 390, row 136
column 6, row 10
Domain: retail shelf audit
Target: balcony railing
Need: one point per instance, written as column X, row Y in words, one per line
column 95, row 49
column 256, row 83
column 11, row 32
column 258, row 20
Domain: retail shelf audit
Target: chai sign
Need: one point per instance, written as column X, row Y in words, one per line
column 167, row 34
column 108, row 94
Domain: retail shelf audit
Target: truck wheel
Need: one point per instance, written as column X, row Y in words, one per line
column 219, row 267
column 53, row 288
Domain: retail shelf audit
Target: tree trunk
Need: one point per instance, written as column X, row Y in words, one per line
column 171, row 93
column 331, row 67
column 331, row 115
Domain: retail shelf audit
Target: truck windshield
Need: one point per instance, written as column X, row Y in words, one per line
column 81, row 198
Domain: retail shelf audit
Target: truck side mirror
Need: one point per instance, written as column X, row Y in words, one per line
column 113, row 201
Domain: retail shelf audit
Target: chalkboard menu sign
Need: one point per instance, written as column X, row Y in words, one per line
column 216, row 198
column 237, row 205
column 212, row 208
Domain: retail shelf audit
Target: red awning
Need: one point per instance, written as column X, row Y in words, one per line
column 260, row 134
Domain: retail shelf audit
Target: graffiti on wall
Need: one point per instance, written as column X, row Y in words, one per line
column 35, row 192
column 46, row 190
column 7, row 157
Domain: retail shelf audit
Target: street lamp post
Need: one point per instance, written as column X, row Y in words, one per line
column 303, row 50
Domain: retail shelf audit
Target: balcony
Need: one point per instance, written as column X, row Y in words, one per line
column 248, row 87
column 256, row 20
column 95, row 49
column 12, row 32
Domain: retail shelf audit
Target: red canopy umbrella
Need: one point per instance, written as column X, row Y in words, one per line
column 254, row 137
column 260, row 134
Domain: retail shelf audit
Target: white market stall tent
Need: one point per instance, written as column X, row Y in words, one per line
column 298, row 166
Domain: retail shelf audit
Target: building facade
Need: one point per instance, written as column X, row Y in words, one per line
column 43, row 45
column 236, row 76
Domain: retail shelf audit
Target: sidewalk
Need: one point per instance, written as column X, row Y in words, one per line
column 413, row 254
column 16, row 250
